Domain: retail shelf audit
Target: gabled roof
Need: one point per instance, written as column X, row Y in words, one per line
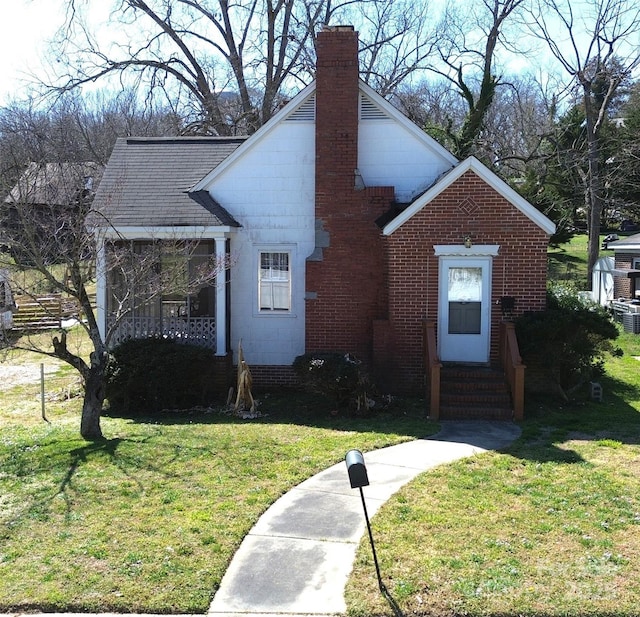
column 148, row 179
column 447, row 179
column 302, row 108
column 630, row 242
column 56, row 184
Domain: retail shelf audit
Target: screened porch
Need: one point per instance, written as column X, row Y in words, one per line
column 164, row 289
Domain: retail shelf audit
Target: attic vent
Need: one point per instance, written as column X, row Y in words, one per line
column 306, row 112
column 370, row 111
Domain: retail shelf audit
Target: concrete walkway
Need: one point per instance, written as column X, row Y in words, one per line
column 297, row 558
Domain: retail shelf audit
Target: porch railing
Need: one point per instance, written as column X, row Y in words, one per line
column 433, row 366
column 513, row 366
column 194, row 330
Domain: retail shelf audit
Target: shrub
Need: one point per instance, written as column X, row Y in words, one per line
column 338, row 376
column 567, row 342
column 148, row 375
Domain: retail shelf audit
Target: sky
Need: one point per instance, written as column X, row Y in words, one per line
column 25, row 26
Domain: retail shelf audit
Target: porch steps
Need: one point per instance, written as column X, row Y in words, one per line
column 474, row 393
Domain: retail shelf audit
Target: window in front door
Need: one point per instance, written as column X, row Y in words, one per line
column 465, row 300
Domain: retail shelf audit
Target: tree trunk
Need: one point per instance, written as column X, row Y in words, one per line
column 93, row 399
column 594, row 185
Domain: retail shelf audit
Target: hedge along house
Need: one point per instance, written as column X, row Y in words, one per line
column 346, row 227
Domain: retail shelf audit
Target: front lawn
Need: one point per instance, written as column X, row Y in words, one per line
column 548, row 528
column 147, row 520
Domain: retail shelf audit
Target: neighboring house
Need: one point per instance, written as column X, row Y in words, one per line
column 626, row 280
column 346, row 228
column 33, row 213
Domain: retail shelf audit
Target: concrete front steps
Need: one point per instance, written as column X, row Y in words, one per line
column 474, row 393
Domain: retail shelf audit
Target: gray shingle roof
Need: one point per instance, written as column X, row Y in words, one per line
column 147, row 181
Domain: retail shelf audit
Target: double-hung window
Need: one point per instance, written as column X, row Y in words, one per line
column 274, row 281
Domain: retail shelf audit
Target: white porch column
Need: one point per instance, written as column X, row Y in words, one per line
column 101, row 287
column 221, row 298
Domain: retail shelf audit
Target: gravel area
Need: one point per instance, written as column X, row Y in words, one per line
column 20, row 374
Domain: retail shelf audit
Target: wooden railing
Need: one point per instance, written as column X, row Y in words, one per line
column 43, row 312
column 513, row 367
column 432, row 367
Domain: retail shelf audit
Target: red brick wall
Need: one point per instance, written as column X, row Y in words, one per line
column 347, row 287
column 622, row 287
column 369, row 295
column 519, row 270
column 265, row 377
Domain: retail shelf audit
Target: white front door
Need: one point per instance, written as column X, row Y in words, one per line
column 464, row 315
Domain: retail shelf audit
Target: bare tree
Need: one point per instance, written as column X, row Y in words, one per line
column 433, row 105
column 48, row 247
column 475, row 34
column 229, row 66
column 401, row 40
column 75, row 128
column 42, row 231
column 595, row 43
column 516, row 125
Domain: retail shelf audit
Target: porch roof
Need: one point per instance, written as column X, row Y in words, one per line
column 147, row 182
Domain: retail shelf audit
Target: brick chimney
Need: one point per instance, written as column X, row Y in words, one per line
column 346, row 275
column 336, row 112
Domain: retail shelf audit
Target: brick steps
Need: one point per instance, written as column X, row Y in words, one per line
column 468, row 393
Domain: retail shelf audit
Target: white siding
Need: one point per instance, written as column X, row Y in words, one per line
column 270, row 191
column 389, row 155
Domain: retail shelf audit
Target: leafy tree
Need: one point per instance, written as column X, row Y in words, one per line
column 559, row 186
column 568, row 341
column 598, row 53
column 624, row 159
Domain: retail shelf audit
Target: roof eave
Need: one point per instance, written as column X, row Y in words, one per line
column 472, row 164
column 164, row 232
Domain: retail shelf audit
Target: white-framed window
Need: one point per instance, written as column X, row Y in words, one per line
column 274, row 281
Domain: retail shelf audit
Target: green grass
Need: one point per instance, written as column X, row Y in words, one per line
column 568, row 263
column 548, row 527
column 148, row 520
